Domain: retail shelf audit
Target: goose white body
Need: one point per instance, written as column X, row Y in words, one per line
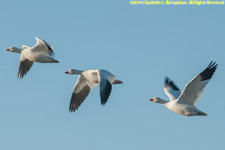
column 183, row 109
column 37, row 56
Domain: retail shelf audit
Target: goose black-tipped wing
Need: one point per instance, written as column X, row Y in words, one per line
column 24, row 67
column 209, row 71
column 193, row 90
column 43, row 47
column 78, row 98
column 105, row 90
column 170, row 83
column 171, row 90
column 105, row 86
column 81, row 90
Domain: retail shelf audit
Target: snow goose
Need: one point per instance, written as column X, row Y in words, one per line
column 42, row 52
column 88, row 80
column 185, row 103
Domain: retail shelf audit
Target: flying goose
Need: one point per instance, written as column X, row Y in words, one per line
column 185, row 103
column 86, row 81
column 42, row 52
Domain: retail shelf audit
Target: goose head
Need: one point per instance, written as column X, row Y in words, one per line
column 157, row 100
column 73, row 71
column 14, row 49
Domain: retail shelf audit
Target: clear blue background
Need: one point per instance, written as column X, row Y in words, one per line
column 140, row 44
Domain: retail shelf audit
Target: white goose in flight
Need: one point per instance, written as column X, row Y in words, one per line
column 185, row 103
column 42, row 52
column 86, row 81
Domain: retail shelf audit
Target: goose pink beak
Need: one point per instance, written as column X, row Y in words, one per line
column 7, row 49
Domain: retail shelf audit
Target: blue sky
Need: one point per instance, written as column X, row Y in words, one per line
column 140, row 45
